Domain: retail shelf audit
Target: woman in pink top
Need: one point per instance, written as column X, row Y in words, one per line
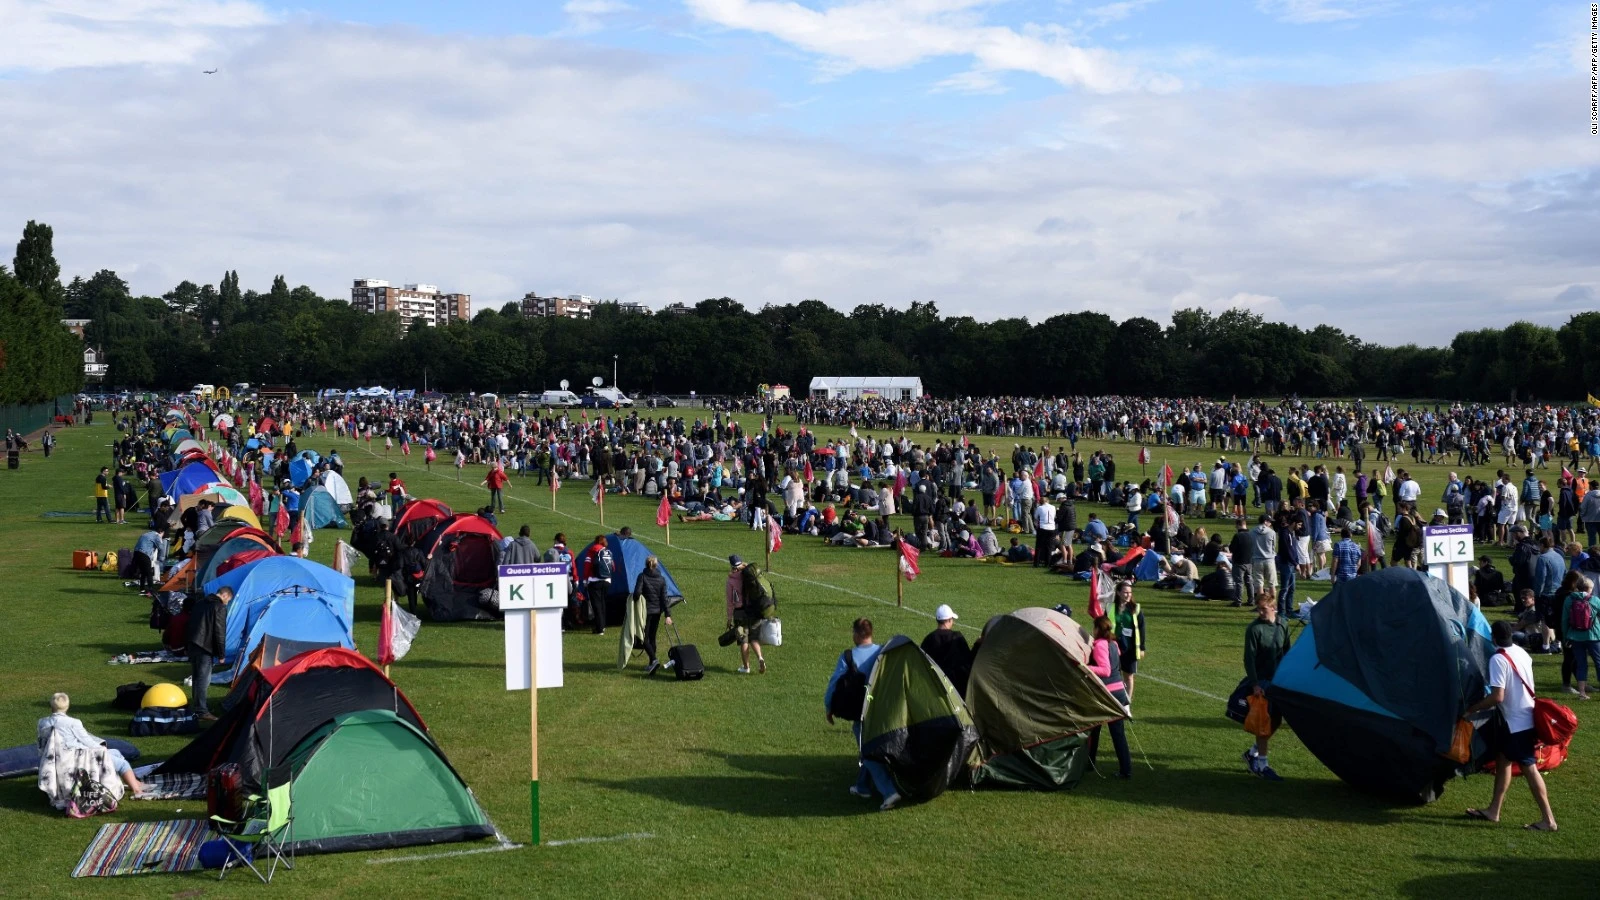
column 1105, row 661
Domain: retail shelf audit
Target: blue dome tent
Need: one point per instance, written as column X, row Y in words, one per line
column 629, row 555
column 317, row 604
column 1378, row 679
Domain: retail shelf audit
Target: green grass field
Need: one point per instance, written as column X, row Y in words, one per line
column 735, row 785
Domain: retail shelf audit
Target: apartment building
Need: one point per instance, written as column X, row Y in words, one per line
column 411, row 301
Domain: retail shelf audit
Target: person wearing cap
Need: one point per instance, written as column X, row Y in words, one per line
column 948, row 648
column 742, row 619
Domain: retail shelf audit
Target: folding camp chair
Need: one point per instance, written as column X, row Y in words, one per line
column 267, row 825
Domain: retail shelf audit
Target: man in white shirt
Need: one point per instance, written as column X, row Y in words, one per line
column 1408, row 491
column 1511, row 690
column 1044, row 524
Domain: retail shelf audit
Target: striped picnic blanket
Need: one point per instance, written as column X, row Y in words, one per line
column 135, row 848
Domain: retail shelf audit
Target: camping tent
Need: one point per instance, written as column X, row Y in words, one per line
column 240, row 514
column 287, row 597
column 628, row 555
column 186, row 445
column 1032, row 698
column 369, row 780
column 418, row 520
column 188, row 479
column 320, row 510
column 220, row 493
column 339, row 488
column 914, row 722
column 317, row 508
column 462, row 574
column 239, row 540
column 301, row 467
column 274, row 709
column 1378, row 679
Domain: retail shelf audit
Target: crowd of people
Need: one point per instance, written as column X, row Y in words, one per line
column 1297, row 491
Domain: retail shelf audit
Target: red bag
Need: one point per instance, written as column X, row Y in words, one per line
column 1552, row 722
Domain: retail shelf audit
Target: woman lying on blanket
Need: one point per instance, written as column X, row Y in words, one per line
column 75, row 737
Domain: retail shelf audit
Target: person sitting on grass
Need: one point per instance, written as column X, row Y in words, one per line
column 75, row 737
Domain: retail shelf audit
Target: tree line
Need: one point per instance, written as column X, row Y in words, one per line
column 223, row 334
column 39, row 358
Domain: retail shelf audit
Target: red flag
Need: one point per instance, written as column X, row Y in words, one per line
column 908, row 560
column 774, row 535
column 386, row 635
column 1144, row 456
column 405, row 447
column 280, row 523
column 663, row 512
column 808, row 469
column 299, row 536
column 1166, row 476
column 1038, row 469
column 1097, row 607
column 1373, row 555
column 555, row 480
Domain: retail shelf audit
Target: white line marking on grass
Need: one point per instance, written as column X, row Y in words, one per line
column 498, row 848
column 821, row 584
column 1142, row 676
column 630, row 836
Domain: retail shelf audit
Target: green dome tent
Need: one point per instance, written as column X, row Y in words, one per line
column 370, row 779
column 914, row 722
column 1033, row 699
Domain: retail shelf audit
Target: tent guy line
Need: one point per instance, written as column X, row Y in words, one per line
column 821, row 584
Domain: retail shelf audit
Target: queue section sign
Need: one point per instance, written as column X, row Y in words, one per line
column 1447, row 552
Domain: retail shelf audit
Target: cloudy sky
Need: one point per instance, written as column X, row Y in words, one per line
column 1402, row 169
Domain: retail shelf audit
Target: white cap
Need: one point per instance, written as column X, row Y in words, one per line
column 944, row 613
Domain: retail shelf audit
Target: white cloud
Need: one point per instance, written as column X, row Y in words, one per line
column 1405, row 210
column 61, row 34
column 1304, row 12
column 590, row 15
column 894, row 34
column 1115, row 12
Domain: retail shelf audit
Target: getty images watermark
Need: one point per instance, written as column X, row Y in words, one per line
column 1594, row 68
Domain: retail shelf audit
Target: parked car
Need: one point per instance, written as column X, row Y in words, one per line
column 590, row 401
column 660, row 401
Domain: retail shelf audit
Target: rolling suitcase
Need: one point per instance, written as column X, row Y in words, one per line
column 685, row 659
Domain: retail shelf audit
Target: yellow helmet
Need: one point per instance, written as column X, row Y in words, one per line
column 164, row 695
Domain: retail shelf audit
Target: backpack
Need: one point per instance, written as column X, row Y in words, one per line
column 1581, row 616
column 603, row 565
column 850, row 694
column 764, row 597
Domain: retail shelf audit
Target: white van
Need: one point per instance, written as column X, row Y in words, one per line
column 558, row 398
column 615, row 396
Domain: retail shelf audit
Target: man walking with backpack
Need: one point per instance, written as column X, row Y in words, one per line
column 845, row 698
column 598, row 567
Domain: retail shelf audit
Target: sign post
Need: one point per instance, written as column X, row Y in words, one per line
column 529, row 593
column 1447, row 552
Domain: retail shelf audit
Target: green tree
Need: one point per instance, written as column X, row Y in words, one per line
column 35, row 263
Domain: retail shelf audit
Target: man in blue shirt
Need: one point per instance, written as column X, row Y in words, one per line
column 1346, row 557
column 864, row 655
column 1095, row 530
column 1549, row 567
